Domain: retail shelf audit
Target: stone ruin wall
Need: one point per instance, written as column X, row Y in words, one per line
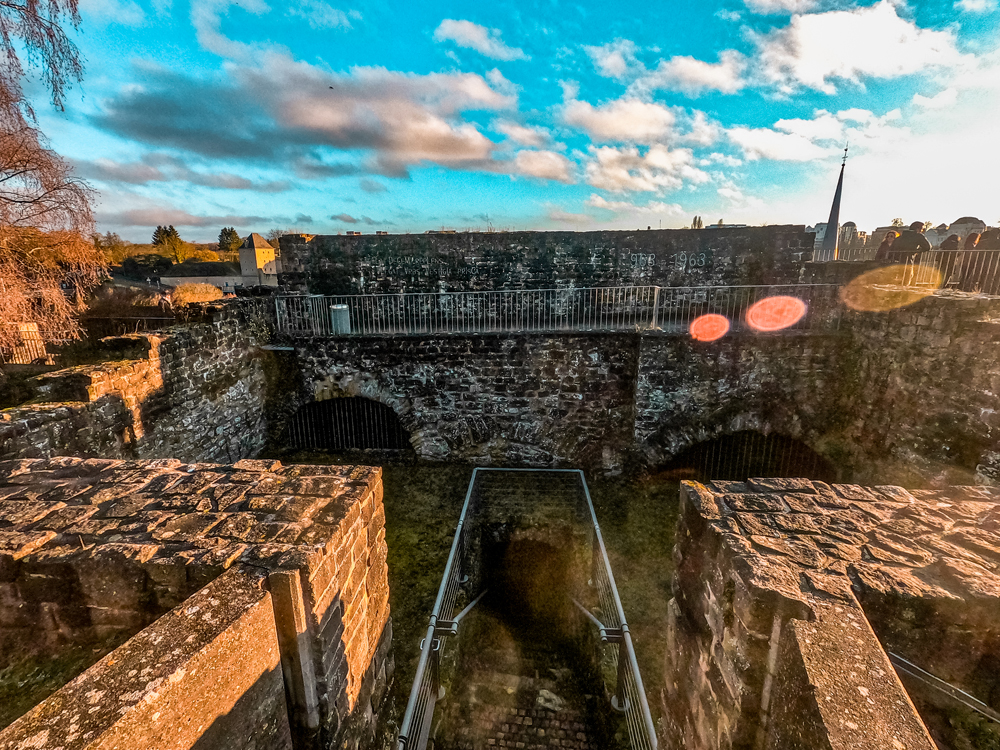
column 906, row 396
column 788, row 594
column 477, row 261
column 244, row 586
column 194, row 392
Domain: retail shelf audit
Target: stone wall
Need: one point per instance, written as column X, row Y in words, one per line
column 920, row 386
column 194, row 392
column 768, row 645
column 905, row 395
column 206, row 675
column 325, row 264
column 97, row 546
column 689, row 391
column 489, row 399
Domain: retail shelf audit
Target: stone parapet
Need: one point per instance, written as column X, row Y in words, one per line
column 194, row 391
column 486, row 261
column 91, row 547
column 788, row 594
column 205, row 675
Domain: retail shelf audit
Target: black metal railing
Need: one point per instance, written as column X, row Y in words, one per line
column 628, row 694
column 654, row 308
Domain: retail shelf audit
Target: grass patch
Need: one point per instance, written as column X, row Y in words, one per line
column 28, row 677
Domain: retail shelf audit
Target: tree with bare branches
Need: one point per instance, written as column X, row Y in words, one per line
column 47, row 264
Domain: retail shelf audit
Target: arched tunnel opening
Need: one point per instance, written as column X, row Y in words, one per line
column 528, row 582
column 746, row 454
column 346, row 424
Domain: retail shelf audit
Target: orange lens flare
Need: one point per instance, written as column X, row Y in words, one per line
column 709, row 327
column 891, row 287
column 775, row 313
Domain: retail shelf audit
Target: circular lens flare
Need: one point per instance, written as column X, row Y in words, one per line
column 891, row 287
column 775, row 313
column 709, row 327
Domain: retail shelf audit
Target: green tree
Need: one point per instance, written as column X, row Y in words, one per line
column 897, row 222
column 229, row 240
column 162, row 235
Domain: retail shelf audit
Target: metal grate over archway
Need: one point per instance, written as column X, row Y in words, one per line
column 351, row 423
column 742, row 455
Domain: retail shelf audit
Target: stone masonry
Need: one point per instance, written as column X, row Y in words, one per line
column 788, row 594
column 195, row 392
column 476, row 261
column 92, row 546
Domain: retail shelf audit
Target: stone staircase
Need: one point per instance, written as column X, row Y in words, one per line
column 518, row 686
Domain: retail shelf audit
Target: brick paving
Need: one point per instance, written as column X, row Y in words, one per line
column 515, row 688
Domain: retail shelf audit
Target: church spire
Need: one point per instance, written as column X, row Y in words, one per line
column 830, row 239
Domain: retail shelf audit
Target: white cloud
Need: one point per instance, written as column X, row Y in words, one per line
column 698, row 130
column 616, row 59
column 692, row 76
column 728, row 15
column 524, row 135
column 123, row 12
column 158, row 167
column 946, row 98
column 206, row 17
column 322, row 15
column 629, row 169
column 800, row 139
column 976, row 6
column 546, row 165
column 764, row 143
column 473, row 36
column 817, row 49
column 716, row 158
column 823, row 127
column 781, row 6
column 731, row 193
column 652, row 208
column 555, row 213
column 408, row 118
column 629, row 119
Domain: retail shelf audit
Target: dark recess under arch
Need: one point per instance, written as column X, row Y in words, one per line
column 350, row 423
column 742, row 455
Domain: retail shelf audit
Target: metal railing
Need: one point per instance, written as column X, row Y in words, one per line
column 631, row 308
column 628, row 694
column 966, row 270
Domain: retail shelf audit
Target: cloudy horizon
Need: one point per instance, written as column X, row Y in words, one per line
column 331, row 117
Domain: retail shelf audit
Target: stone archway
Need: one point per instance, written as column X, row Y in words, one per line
column 748, row 453
column 349, row 423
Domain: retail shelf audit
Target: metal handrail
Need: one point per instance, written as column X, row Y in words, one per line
column 626, row 308
column 629, row 695
column 425, row 692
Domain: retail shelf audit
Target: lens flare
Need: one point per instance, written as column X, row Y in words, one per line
column 709, row 327
column 890, row 287
column 775, row 313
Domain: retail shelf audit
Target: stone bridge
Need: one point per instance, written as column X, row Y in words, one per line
column 907, row 391
column 905, row 394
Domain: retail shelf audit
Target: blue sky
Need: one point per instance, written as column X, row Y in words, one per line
column 341, row 115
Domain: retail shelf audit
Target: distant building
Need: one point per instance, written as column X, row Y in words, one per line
column 258, row 264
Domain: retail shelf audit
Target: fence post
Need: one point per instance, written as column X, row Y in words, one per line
column 619, row 701
column 656, row 308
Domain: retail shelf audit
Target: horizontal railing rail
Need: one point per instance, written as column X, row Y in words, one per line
column 970, row 270
column 965, row 270
column 543, row 310
column 628, row 694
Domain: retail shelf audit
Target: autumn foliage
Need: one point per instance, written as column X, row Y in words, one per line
column 47, row 263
